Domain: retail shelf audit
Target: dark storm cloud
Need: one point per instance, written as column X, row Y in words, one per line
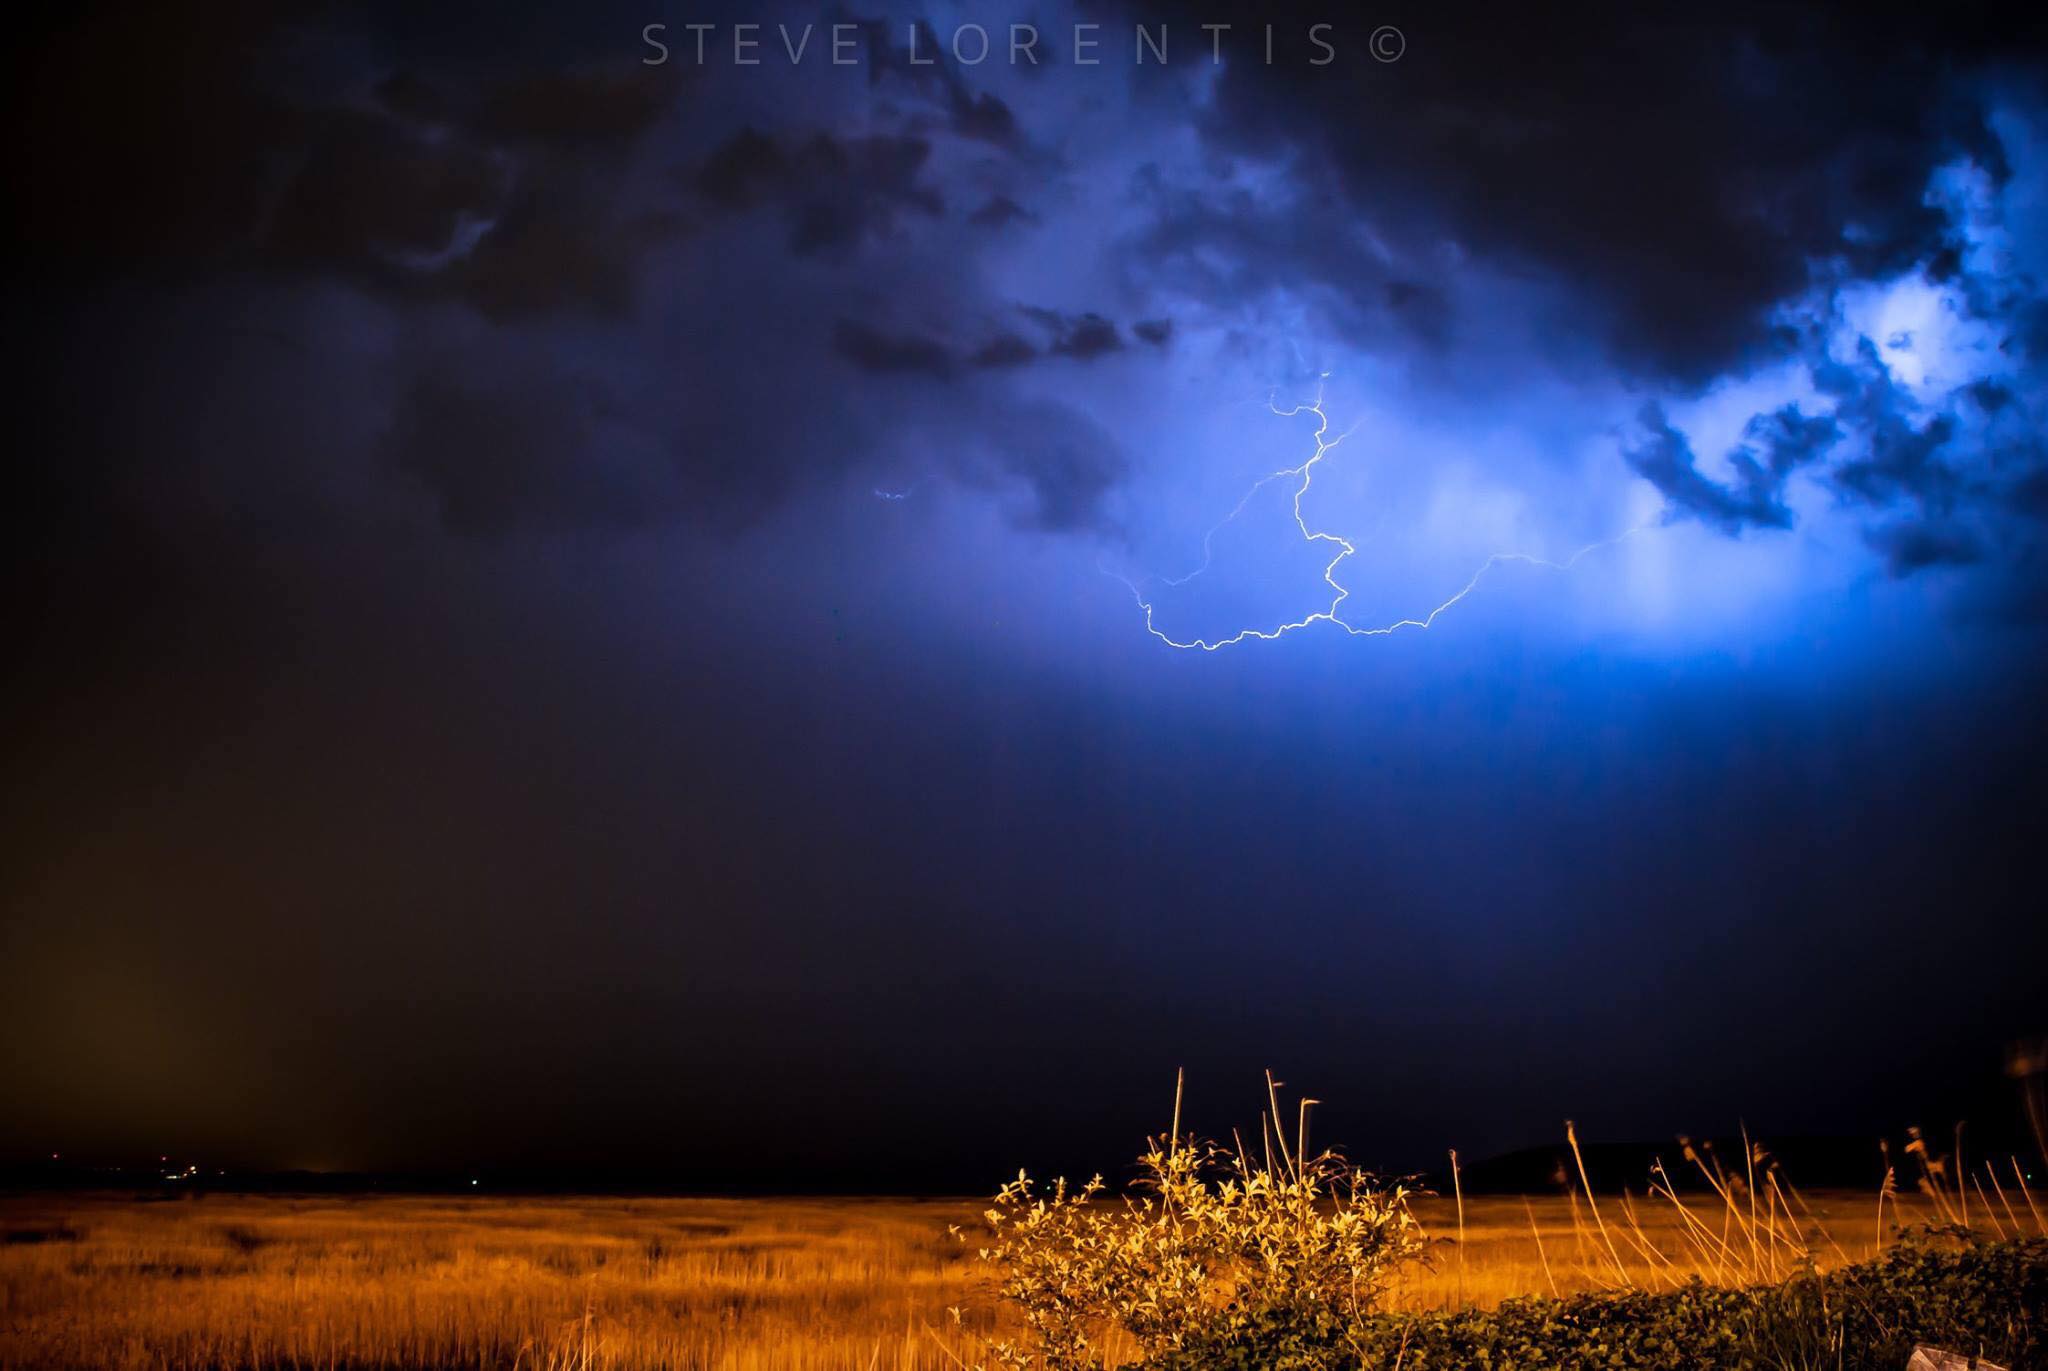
column 1903, row 456
column 1068, row 461
column 938, row 77
column 1909, row 547
column 1991, row 397
column 835, row 193
column 176, row 144
column 1527, row 141
column 1664, row 457
column 2029, row 494
column 1773, row 446
column 1091, row 336
column 1081, row 336
column 502, row 191
column 1938, row 488
column 371, row 190
column 576, row 108
column 1780, row 442
column 1947, row 474
column 872, row 350
column 445, row 176
column 1675, row 169
column 1000, row 210
column 1004, row 350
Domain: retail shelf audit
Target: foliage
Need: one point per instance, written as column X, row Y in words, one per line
column 1214, row 1246
column 1987, row 1299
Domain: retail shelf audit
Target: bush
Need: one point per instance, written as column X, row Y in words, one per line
column 1215, row 1244
column 1988, row 1299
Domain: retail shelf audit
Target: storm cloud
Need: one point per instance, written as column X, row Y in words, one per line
column 607, row 572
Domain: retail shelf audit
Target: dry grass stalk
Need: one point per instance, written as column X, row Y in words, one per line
column 1572, row 1136
column 1536, row 1233
column 1458, row 1190
column 2021, row 1177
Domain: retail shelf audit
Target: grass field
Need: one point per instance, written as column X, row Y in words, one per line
column 233, row 1282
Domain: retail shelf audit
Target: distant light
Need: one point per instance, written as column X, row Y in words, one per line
column 474, row 1182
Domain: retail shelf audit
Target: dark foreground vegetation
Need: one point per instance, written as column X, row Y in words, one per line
column 1266, row 1256
column 1985, row 1299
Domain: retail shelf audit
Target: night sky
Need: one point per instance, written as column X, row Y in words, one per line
column 572, row 611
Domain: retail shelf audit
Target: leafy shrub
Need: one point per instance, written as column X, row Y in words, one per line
column 1988, row 1299
column 1215, row 1247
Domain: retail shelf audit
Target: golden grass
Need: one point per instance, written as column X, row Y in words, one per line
column 723, row 1285
column 317, row 1282
column 1547, row 1245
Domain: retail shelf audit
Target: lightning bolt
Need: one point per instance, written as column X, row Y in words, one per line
column 1304, row 476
